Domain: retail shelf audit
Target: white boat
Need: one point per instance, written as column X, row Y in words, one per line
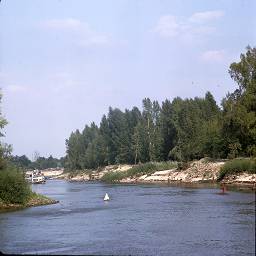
column 35, row 177
column 106, row 198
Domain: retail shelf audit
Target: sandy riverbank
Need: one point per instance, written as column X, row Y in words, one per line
column 200, row 171
column 52, row 172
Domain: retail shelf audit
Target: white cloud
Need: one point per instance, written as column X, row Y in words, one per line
column 168, row 26
column 94, row 40
column 195, row 25
column 69, row 23
column 199, row 17
column 61, row 82
column 9, row 85
column 82, row 32
column 213, row 56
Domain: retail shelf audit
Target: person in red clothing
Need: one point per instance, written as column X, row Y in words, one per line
column 223, row 187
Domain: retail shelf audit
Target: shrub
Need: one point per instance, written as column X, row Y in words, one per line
column 112, row 177
column 138, row 170
column 149, row 168
column 182, row 165
column 141, row 169
column 236, row 166
column 13, row 187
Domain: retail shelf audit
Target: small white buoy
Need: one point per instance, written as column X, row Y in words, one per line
column 106, row 198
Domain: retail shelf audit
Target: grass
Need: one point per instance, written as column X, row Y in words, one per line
column 38, row 199
column 112, row 177
column 34, row 199
column 138, row 170
column 237, row 166
column 78, row 172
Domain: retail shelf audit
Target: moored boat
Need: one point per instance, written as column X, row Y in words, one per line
column 35, row 177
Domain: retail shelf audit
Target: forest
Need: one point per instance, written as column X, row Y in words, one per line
column 178, row 129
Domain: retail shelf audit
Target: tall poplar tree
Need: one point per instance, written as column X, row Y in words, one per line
column 239, row 107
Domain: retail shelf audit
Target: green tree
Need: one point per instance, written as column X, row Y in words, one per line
column 141, row 143
column 5, row 149
column 196, row 123
column 21, row 161
column 74, row 150
column 119, row 137
column 13, row 187
column 132, row 117
column 105, row 140
column 151, row 115
column 168, row 131
column 239, row 107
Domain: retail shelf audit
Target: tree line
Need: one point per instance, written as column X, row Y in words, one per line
column 40, row 162
column 181, row 129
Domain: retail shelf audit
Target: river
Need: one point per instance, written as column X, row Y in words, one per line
column 138, row 220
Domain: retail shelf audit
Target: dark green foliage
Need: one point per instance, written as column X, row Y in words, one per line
column 5, row 154
column 237, row 166
column 21, row 161
column 75, row 150
column 140, row 143
column 182, row 165
column 197, row 125
column 239, row 108
column 119, row 137
column 40, row 163
column 181, row 129
column 5, row 149
column 13, row 187
column 151, row 125
column 112, row 177
column 168, row 131
column 44, row 163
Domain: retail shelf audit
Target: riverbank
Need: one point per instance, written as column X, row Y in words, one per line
column 201, row 171
column 34, row 200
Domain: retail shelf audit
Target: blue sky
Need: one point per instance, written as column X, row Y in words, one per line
column 63, row 63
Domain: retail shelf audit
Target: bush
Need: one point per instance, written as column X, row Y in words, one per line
column 236, row 166
column 13, row 187
column 112, row 177
column 182, row 166
column 149, row 168
column 141, row 169
column 138, row 170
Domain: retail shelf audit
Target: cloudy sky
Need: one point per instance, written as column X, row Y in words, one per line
column 63, row 63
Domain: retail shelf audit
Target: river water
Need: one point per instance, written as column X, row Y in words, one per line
column 138, row 220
